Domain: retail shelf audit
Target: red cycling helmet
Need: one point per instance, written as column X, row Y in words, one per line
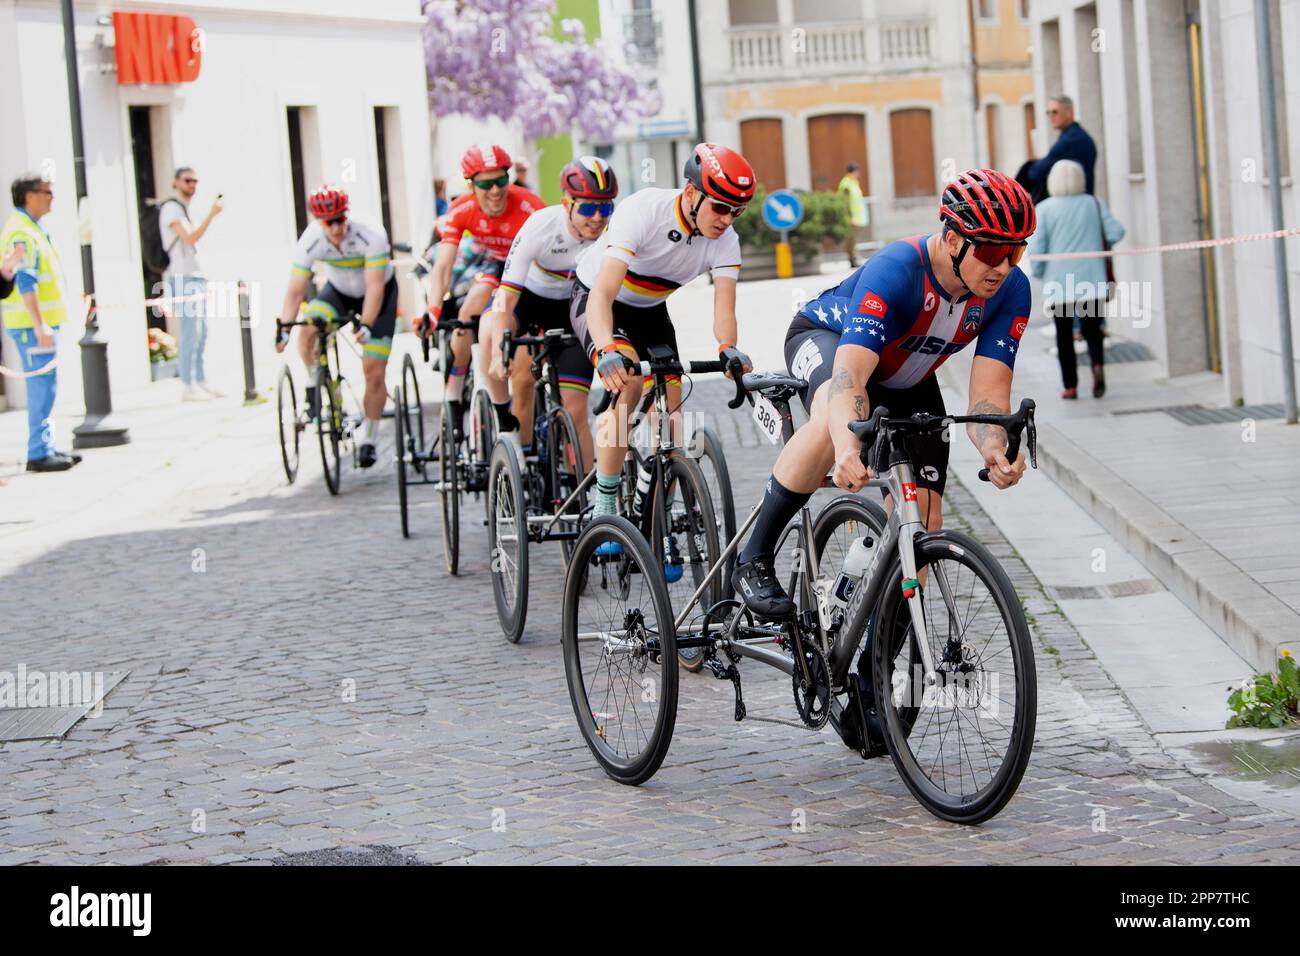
column 483, row 156
column 720, row 173
column 589, row 177
column 987, row 206
column 327, row 202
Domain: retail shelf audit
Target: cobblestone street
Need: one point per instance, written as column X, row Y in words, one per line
column 249, row 617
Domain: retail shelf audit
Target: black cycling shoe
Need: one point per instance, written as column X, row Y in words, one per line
column 756, row 581
column 366, row 455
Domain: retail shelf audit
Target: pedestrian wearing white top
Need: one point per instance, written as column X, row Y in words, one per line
column 184, row 280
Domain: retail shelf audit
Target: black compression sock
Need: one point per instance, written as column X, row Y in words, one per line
column 780, row 504
column 506, row 421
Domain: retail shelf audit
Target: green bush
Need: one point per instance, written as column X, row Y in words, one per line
column 1268, row 700
column 825, row 218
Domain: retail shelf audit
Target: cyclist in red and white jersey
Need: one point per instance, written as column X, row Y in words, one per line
column 535, row 290
column 658, row 240
column 493, row 213
column 877, row 339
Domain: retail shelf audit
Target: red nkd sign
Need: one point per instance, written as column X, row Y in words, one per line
column 156, row 48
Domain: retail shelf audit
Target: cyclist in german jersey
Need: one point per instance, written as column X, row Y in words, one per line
column 535, row 291
column 877, row 339
column 492, row 213
column 658, row 240
column 358, row 278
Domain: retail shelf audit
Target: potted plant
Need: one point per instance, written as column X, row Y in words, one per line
column 162, row 355
column 825, row 221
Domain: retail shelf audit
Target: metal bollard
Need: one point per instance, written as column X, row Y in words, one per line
column 246, row 341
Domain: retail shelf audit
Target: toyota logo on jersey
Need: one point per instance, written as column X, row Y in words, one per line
column 1018, row 327
column 873, row 304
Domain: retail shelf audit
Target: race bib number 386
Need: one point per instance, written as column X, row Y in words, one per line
column 768, row 418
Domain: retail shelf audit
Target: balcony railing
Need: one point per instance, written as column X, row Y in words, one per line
column 644, row 31
column 781, row 52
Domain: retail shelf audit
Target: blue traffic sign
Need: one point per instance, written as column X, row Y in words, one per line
column 782, row 211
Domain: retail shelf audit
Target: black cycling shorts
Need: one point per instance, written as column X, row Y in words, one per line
column 637, row 327
column 332, row 304
column 810, row 355
column 538, row 314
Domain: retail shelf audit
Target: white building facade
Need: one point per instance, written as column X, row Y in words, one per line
column 1170, row 92
column 289, row 93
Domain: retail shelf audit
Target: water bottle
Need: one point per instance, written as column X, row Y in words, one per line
column 642, row 490
column 855, row 566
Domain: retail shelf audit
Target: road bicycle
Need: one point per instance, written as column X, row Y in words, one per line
column 337, row 414
column 949, row 690
column 542, row 499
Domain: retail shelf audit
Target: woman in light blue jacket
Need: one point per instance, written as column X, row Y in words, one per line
column 1074, row 289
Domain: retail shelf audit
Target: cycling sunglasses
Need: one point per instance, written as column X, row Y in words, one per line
column 992, row 253
column 722, row 209
column 591, row 208
column 336, row 221
column 501, row 182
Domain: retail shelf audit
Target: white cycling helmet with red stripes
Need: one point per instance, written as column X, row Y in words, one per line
column 483, row 156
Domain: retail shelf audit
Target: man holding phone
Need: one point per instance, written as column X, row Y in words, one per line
column 33, row 311
column 184, row 280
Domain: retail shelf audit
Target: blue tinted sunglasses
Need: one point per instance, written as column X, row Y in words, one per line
column 591, row 208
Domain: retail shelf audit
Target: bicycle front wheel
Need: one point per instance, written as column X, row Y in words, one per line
column 962, row 744
column 401, row 455
column 286, row 403
column 329, row 429
column 508, row 538
column 707, row 451
column 620, row 650
column 414, row 417
column 449, row 490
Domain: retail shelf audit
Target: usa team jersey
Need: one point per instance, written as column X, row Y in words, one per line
column 493, row 233
column 648, row 231
column 363, row 248
column 895, row 306
column 542, row 256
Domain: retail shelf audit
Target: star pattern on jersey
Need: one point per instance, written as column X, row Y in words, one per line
column 835, row 311
column 1002, row 343
column 819, row 313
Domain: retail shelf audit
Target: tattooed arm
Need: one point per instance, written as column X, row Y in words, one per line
column 990, row 394
column 846, row 402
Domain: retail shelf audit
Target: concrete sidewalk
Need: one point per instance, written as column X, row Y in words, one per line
column 1208, row 508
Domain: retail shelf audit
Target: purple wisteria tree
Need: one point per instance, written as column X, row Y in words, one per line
column 498, row 58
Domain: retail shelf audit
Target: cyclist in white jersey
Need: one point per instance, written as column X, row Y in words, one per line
column 658, row 240
column 536, row 286
column 358, row 278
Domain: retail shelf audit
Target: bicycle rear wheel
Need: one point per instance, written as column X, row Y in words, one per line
column 329, row 429
column 286, row 402
column 414, row 417
column 566, row 469
column 708, row 453
column 961, row 746
column 620, row 651
column 508, row 538
column 483, row 435
column 688, row 541
column 401, row 455
column 449, row 490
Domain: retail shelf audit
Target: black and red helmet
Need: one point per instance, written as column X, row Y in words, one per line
column 720, row 173
column 988, row 206
column 483, row 156
column 327, row 202
column 589, row 177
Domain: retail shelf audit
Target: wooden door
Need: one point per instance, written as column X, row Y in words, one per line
column 834, row 141
column 762, row 142
column 912, row 141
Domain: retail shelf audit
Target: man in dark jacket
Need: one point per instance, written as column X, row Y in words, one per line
column 1073, row 143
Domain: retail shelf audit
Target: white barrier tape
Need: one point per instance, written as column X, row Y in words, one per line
column 43, row 370
column 1172, row 247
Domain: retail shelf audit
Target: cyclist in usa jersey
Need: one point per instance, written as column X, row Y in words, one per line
column 492, row 213
column 535, row 290
column 877, row 339
column 358, row 278
column 658, row 240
